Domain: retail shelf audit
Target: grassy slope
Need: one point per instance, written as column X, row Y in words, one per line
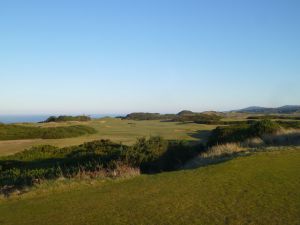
column 116, row 130
column 258, row 189
column 17, row 132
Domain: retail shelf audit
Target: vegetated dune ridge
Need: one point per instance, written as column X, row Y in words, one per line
column 262, row 188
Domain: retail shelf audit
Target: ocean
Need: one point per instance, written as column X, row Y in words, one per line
column 39, row 118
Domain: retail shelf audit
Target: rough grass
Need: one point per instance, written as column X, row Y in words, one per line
column 259, row 189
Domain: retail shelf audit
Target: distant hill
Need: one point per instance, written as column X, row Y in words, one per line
column 282, row 109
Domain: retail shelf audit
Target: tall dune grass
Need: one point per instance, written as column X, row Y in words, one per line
column 223, row 150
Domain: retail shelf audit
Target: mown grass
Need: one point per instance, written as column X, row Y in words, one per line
column 259, row 189
column 116, row 130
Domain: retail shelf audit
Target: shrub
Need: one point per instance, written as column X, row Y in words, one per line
column 145, row 152
column 13, row 132
column 177, row 154
column 48, row 162
column 225, row 134
column 157, row 154
column 67, row 118
column 264, row 127
column 148, row 116
column 200, row 118
column 93, row 159
column 240, row 133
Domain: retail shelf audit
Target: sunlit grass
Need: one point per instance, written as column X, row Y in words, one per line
column 262, row 188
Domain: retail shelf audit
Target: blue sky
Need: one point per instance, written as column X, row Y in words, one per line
column 158, row 56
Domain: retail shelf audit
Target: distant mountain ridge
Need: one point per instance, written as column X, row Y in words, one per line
column 282, row 109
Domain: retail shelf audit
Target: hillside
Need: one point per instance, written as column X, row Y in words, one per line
column 282, row 109
column 259, row 189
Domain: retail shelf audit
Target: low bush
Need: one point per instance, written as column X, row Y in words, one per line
column 145, row 152
column 67, row 118
column 240, row 133
column 93, row 159
column 14, row 132
column 177, row 154
column 264, row 127
column 225, row 134
column 48, row 162
column 148, row 116
column 156, row 154
column 200, row 118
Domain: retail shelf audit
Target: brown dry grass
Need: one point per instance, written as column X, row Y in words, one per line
column 253, row 143
column 223, row 150
column 215, row 154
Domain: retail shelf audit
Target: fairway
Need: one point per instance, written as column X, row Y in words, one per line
column 259, row 189
column 117, row 130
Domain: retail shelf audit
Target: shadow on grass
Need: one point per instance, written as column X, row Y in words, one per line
column 201, row 135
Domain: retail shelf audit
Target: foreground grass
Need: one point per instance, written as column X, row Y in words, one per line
column 117, row 130
column 259, row 189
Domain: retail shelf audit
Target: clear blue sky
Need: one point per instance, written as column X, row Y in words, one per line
column 147, row 55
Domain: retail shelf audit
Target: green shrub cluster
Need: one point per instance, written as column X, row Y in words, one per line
column 263, row 127
column 201, row 118
column 14, row 132
column 238, row 133
column 47, row 162
column 67, row 118
column 146, row 151
column 156, row 154
column 183, row 116
column 149, row 116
